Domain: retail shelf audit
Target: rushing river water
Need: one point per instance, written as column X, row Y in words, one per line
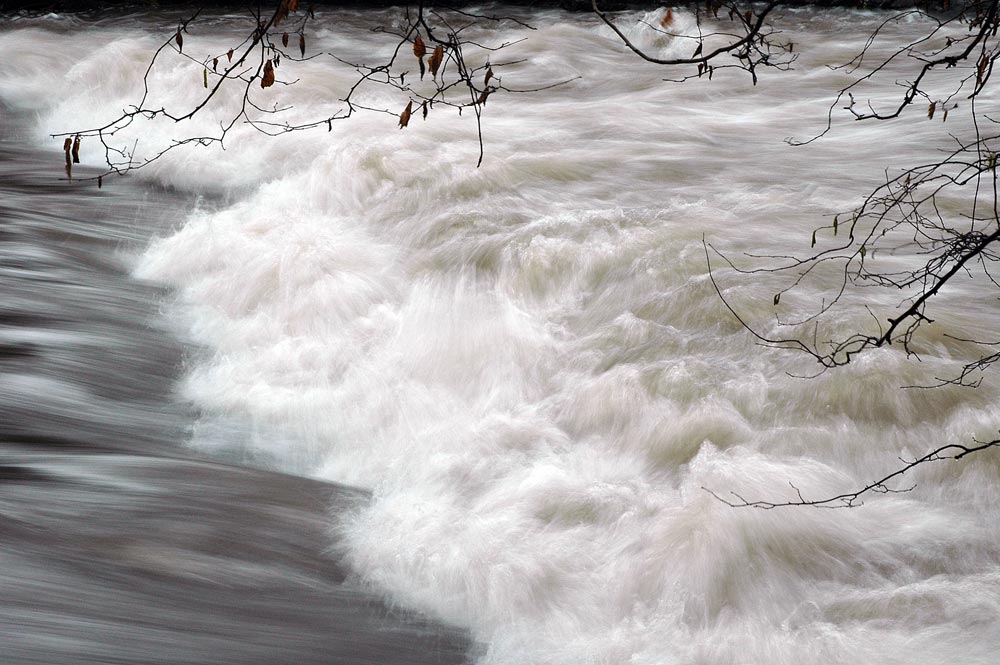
column 523, row 367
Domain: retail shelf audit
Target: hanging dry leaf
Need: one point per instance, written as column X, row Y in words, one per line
column 667, row 19
column 404, row 117
column 204, row 77
column 284, row 39
column 944, row 116
column 424, row 108
column 67, row 145
column 180, row 41
column 420, row 50
column 302, row 44
column 230, row 55
column 435, row 60
column 293, row 5
column 215, row 64
column 267, row 80
column 484, row 95
column 76, row 150
column 489, row 75
column 930, row 110
column 100, row 182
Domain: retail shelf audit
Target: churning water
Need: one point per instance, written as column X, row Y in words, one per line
column 526, row 364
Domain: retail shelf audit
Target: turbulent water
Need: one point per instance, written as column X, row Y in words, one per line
column 526, row 363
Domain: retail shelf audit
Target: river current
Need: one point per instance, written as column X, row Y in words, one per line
column 525, row 365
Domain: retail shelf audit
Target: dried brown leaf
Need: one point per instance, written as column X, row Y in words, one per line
column 419, row 48
column 404, row 117
column 76, row 149
column 267, row 80
column 930, row 110
column 230, row 55
column 302, row 44
column 284, row 39
column 180, row 41
column 667, row 19
column 435, row 60
column 215, row 64
column 489, row 75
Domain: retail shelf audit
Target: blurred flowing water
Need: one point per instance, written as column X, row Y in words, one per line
column 523, row 369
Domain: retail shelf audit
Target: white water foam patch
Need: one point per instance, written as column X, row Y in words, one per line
column 665, row 33
column 528, row 366
column 576, row 557
column 74, row 86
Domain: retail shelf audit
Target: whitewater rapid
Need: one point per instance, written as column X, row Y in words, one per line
column 527, row 363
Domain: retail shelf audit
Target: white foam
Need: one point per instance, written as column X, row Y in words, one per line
column 528, row 367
